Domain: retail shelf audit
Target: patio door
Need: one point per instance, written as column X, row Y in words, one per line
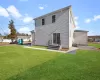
column 56, row 38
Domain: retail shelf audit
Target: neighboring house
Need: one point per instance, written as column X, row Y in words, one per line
column 94, row 38
column 55, row 28
column 25, row 38
column 1, row 38
column 80, row 37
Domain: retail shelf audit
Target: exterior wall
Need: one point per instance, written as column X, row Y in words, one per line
column 33, row 38
column 25, row 38
column 94, row 38
column 80, row 38
column 44, row 33
column 71, row 29
column 97, row 39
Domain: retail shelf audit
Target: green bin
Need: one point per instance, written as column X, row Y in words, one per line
column 20, row 41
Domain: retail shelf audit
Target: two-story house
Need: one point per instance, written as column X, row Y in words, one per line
column 55, row 28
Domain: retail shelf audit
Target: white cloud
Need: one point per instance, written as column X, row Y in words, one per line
column 88, row 20
column 96, row 17
column 7, row 31
column 76, row 22
column 41, row 7
column 24, row 30
column 27, row 19
column 3, row 12
column 14, row 11
column 76, row 18
column 77, row 27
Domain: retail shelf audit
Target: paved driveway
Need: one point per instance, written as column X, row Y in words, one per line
column 86, row 47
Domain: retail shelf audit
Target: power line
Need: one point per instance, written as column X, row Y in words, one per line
column 9, row 14
column 2, row 30
column 20, row 24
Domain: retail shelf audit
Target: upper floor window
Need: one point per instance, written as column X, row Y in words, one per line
column 43, row 21
column 53, row 18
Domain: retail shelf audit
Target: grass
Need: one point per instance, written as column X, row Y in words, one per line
column 97, row 45
column 44, row 47
column 15, row 59
column 28, row 64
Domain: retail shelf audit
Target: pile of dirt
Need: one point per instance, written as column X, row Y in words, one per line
column 64, row 49
column 98, row 49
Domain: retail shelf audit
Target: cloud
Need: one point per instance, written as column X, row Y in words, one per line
column 76, row 18
column 24, row 30
column 88, row 20
column 14, row 11
column 41, row 8
column 96, row 17
column 76, row 22
column 3, row 12
column 77, row 27
column 27, row 19
column 7, row 31
column 10, row 11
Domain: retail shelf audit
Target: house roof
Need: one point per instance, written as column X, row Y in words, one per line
column 81, row 31
column 24, row 37
column 54, row 12
column 32, row 31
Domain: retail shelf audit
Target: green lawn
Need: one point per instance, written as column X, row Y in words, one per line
column 44, row 47
column 18, row 63
column 97, row 45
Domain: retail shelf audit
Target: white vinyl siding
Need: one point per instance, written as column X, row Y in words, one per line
column 80, row 38
column 44, row 33
column 71, row 29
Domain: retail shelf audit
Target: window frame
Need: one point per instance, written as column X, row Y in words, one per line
column 43, row 21
column 53, row 18
column 56, row 38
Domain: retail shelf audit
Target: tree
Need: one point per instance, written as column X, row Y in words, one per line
column 13, row 34
column 0, row 34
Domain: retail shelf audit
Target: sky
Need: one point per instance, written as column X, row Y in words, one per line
column 86, row 13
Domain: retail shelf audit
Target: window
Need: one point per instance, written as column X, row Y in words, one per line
column 56, row 38
column 53, row 18
column 43, row 21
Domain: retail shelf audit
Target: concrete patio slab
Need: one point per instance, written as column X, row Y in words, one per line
column 71, row 50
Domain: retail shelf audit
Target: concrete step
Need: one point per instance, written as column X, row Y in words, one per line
column 53, row 47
